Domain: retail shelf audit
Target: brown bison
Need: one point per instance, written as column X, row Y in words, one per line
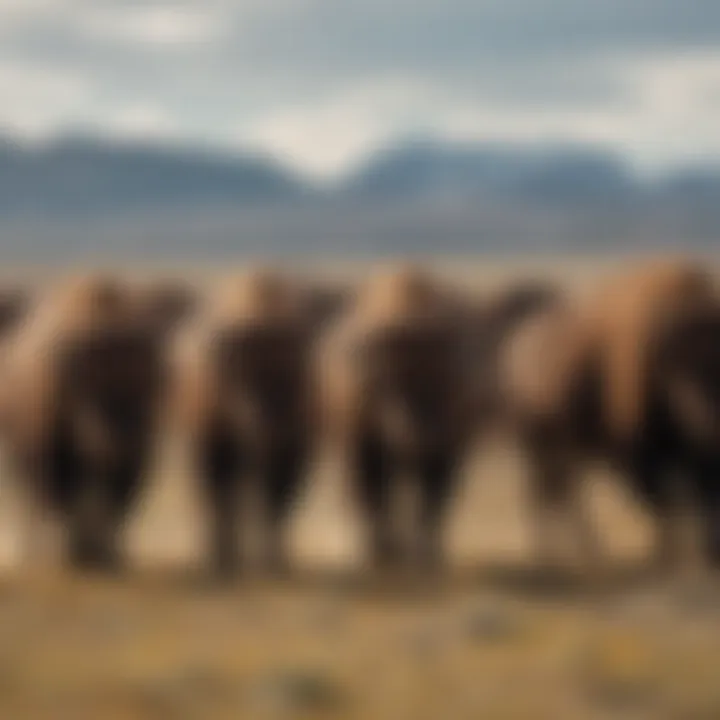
column 630, row 377
column 81, row 391
column 401, row 397
column 248, row 402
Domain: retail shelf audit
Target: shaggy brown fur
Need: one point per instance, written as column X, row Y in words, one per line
column 602, row 379
column 248, row 403
column 400, row 397
column 497, row 318
column 81, row 387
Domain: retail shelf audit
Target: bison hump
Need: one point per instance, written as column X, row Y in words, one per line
column 627, row 317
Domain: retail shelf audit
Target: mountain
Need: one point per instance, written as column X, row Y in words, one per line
column 432, row 169
column 700, row 184
column 79, row 197
column 89, row 175
column 85, row 176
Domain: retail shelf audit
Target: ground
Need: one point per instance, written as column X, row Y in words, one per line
column 490, row 640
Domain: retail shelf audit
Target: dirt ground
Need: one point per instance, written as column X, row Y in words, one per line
column 490, row 639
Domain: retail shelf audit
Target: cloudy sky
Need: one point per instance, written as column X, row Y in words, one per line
column 322, row 82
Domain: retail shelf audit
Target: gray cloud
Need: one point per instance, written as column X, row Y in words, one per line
column 224, row 71
column 433, row 36
column 338, row 40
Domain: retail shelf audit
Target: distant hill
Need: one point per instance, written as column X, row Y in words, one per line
column 80, row 175
column 80, row 196
column 432, row 169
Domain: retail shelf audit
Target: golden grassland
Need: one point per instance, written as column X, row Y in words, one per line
column 490, row 639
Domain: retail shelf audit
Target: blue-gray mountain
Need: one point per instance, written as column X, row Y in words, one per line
column 74, row 196
column 87, row 176
column 431, row 169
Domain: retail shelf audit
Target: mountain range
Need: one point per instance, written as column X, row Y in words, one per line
column 87, row 193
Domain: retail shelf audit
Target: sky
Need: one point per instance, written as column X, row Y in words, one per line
column 322, row 83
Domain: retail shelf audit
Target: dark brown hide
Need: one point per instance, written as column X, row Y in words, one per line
column 251, row 404
column 630, row 377
column 400, row 396
column 87, row 377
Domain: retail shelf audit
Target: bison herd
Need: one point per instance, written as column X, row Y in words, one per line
column 402, row 373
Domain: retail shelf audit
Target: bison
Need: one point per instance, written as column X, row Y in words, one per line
column 82, row 388
column 401, row 398
column 248, row 402
column 629, row 376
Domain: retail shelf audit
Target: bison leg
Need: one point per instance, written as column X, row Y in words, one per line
column 667, row 545
column 373, row 477
column 707, row 480
column 437, row 483
column 548, row 490
column 712, row 526
column 102, row 506
column 554, row 487
column 81, row 491
column 221, row 468
column 38, row 523
column 284, row 477
column 39, row 530
column 584, row 530
column 656, row 489
column 83, row 547
column 91, row 522
column 124, row 489
column 61, row 483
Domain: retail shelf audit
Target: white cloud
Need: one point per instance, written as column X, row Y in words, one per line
column 24, row 8
column 663, row 112
column 154, row 25
column 323, row 82
column 327, row 137
column 140, row 120
column 37, row 100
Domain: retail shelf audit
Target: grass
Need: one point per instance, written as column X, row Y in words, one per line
column 486, row 641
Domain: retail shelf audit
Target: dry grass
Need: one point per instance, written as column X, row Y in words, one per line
column 487, row 641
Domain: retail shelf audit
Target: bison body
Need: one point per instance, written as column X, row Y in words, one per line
column 628, row 377
column 82, row 392
column 249, row 404
column 401, row 397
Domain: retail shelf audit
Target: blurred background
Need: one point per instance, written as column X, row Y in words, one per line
column 204, row 129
